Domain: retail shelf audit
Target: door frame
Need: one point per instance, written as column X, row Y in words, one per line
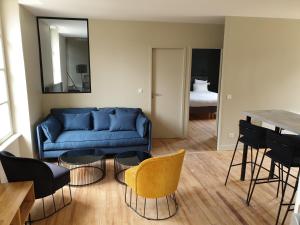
column 187, row 92
column 183, row 83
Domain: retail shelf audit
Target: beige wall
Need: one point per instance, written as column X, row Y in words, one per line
column 261, row 70
column 32, row 67
column 120, row 60
column 13, row 49
column 22, row 63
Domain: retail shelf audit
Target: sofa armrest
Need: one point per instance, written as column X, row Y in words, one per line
column 149, row 135
column 40, row 139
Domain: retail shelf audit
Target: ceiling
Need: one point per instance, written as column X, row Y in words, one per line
column 195, row 11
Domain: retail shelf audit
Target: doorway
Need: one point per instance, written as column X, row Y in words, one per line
column 204, row 97
column 168, row 70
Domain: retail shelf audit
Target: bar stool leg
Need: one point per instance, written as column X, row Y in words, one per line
column 283, row 194
column 279, row 180
column 231, row 161
column 252, row 173
column 292, row 198
column 255, row 181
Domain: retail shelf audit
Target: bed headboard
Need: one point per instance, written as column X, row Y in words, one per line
column 198, row 77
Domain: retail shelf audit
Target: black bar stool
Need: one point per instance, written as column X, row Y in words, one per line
column 285, row 152
column 253, row 136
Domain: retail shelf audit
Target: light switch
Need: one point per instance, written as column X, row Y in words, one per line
column 140, row 90
column 229, row 97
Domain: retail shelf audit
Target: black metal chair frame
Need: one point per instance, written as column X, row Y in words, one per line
column 28, row 169
column 284, row 183
column 171, row 197
column 30, row 221
column 101, row 168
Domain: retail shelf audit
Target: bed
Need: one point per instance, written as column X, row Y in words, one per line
column 203, row 103
column 203, row 99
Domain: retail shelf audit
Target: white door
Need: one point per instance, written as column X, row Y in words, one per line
column 168, row 68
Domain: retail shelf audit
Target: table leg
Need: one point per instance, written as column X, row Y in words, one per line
column 272, row 167
column 244, row 159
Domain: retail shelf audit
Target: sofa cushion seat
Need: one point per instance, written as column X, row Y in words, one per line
column 94, row 139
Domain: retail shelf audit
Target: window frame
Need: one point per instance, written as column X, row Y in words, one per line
column 4, row 138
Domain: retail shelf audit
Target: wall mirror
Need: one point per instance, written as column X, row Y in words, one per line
column 64, row 55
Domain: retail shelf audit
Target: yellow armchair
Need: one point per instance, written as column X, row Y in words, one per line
column 155, row 178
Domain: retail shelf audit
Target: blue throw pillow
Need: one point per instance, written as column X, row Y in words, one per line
column 81, row 121
column 101, row 118
column 52, row 128
column 122, row 122
column 141, row 125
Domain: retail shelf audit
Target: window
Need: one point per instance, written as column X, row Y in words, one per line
column 5, row 116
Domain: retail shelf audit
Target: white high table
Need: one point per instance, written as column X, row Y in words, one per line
column 281, row 119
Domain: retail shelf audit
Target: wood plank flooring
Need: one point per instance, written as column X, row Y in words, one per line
column 203, row 199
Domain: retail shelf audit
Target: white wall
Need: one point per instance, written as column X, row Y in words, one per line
column 120, row 60
column 63, row 61
column 46, row 51
column 261, row 69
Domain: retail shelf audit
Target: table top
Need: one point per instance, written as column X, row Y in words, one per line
column 280, row 118
column 12, row 196
column 132, row 158
column 81, row 157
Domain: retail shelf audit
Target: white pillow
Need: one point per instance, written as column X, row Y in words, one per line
column 200, row 81
column 200, row 87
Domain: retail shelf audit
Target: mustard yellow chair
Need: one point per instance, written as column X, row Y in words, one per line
column 155, row 178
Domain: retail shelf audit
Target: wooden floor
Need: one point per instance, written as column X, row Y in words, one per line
column 203, row 199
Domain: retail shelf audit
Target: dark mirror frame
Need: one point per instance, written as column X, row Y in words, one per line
column 40, row 52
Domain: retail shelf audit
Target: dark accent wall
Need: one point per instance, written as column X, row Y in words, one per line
column 206, row 66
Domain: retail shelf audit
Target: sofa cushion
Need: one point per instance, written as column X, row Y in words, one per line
column 81, row 121
column 101, row 118
column 58, row 112
column 141, row 124
column 95, row 139
column 52, row 128
column 126, row 111
column 122, row 122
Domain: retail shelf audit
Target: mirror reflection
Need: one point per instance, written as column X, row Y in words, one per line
column 64, row 53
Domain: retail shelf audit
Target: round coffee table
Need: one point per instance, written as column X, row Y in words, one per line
column 87, row 166
column 125, row 160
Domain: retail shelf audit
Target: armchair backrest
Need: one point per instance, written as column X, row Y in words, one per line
column 27, row 169
column 159, row 176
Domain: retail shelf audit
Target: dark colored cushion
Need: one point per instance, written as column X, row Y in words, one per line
column 78, row 139
column 122, row 122
column 80, row 121
column 52, row 128
column 126, row 111
column 101, row 118
column 61, row 175
column 141, row 124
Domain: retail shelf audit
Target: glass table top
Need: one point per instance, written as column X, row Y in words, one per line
column 132, row 158
column 81, row 157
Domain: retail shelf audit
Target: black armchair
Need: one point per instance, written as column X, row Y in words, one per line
column 47, row 177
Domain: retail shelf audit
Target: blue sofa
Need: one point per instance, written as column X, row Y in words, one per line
column 112, row 130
